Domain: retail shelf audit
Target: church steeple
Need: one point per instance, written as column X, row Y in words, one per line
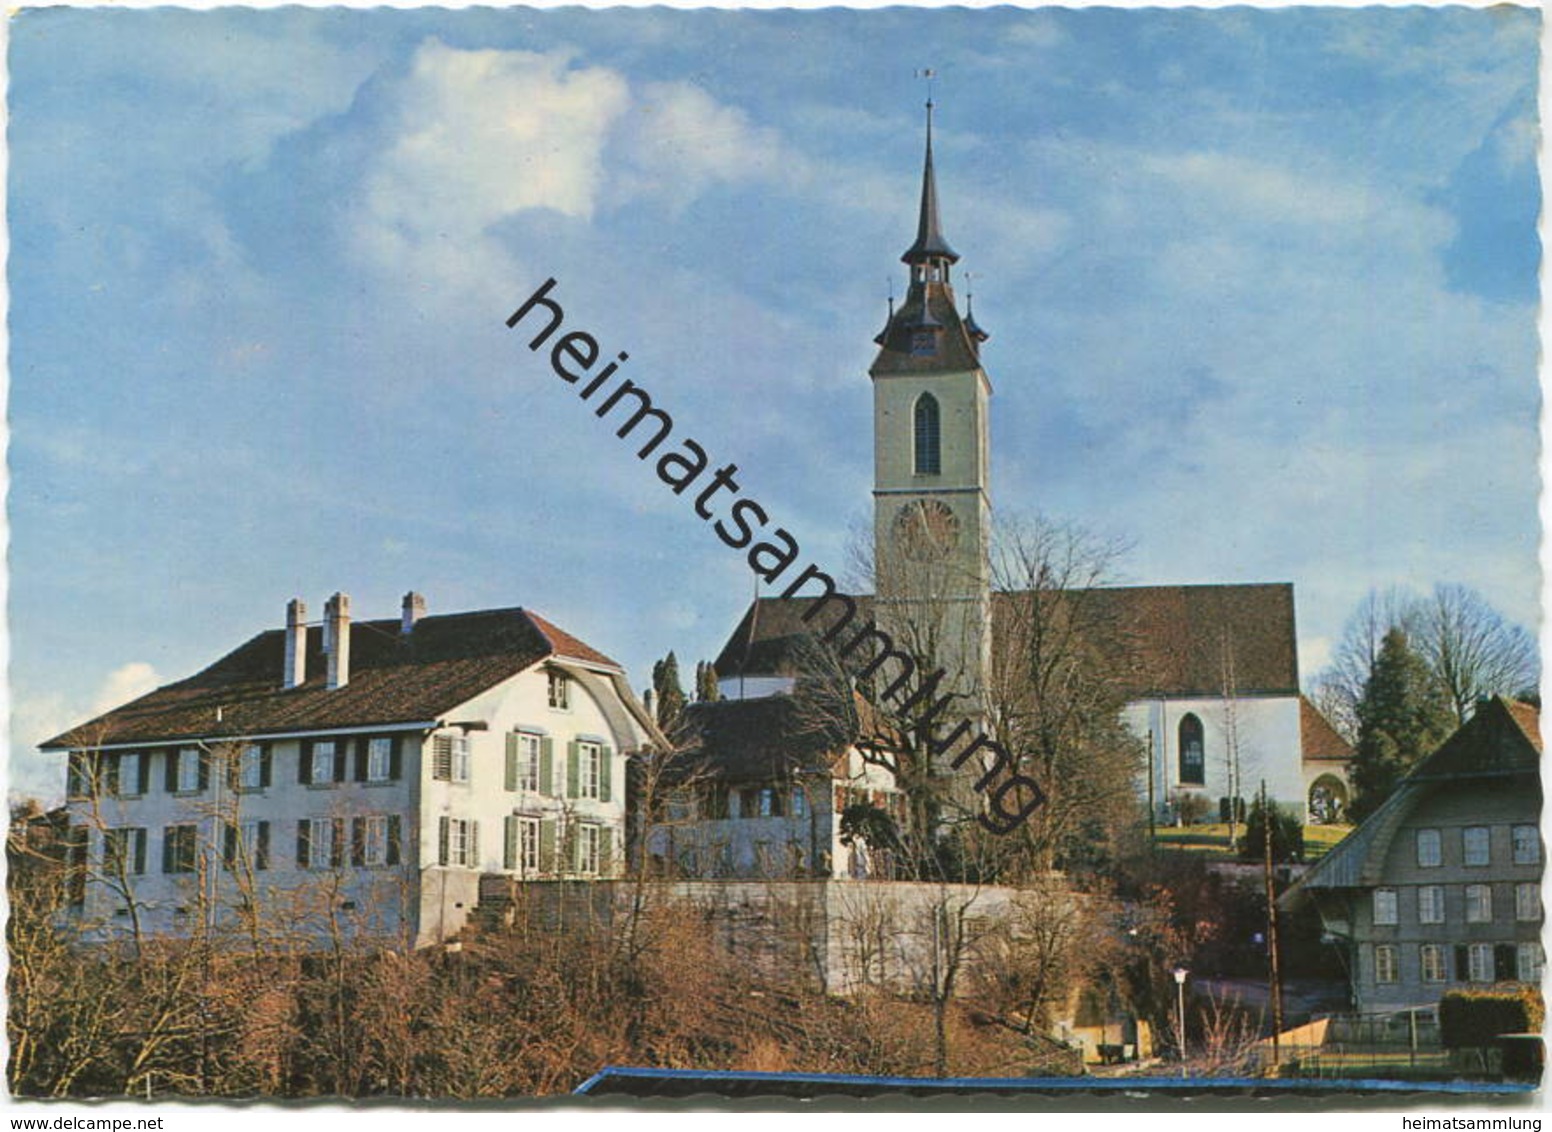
column 925, row 332
column 930, row 244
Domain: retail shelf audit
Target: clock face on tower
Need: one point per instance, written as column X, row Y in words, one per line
column 926, row 528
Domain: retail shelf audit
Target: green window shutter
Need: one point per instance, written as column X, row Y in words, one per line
column 168, row 853
column 509, row 841
column 474, row 845
column 395, row 833
column 304, row 833
column 572, row 776
column 547, row 846
column 442, row 839
column 606, row 762
column 511, row 776
column 605, row 852
column 395, row 760
column 546, row 765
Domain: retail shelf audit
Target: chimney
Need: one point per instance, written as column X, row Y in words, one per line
column 296, row 643
column 414, row 609
column 336, row 640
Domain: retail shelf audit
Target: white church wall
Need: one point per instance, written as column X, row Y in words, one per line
column 1269, row 746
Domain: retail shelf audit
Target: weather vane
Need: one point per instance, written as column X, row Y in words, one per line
column 927, row 74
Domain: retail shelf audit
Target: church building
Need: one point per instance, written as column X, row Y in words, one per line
column 1210, row 672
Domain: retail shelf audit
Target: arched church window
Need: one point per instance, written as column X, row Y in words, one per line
column 1193, row 761
column 929, row 459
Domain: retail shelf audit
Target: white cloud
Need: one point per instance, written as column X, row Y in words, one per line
column 479, row 135
column 676, row 141
column 125, row 683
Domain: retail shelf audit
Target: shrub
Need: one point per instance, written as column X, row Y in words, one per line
column 1474, row 1018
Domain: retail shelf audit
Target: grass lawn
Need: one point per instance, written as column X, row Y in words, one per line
column 1213, row 838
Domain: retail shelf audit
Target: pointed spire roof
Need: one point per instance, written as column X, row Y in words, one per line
column 930, row 243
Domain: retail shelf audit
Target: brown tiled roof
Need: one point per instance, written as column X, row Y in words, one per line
column 446, row 661
column 1318, row 740
column 566, row 646
column 1160, row 640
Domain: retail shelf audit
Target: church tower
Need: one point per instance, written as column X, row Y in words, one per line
column 931, row 508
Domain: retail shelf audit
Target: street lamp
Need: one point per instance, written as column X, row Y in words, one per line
column 1180, row 1005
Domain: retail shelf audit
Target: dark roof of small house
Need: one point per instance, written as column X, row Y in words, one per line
column 762, row 740
column 1318, row 740
column 1161, row 640
column 445, row 661
column 1500, row 743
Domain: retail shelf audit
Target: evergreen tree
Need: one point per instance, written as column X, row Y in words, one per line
column 669, row 692
column 1403, row 715
column 706, row 690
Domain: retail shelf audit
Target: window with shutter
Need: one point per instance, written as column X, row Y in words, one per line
column 1430, row 904
column 509, row 775
column 1479, row 962
column 321, row 843
column 605, row 773
column 509, row 841
column 1384, row 964
column 178, row 849
column 1479, row 903
column 191, row 771
column 1385, row 909
column 444, row 840
column 1432, row 962
column 395, row 840
column 546, row 765
column 587, row 850
column 123, row 852
column 1527, row 902
column 127, row 774
column 379, row 758
column 1527, row 845
column 250, row 773
column 1529, row 962
column 460, row 758
column 572, row 777
column 1476, row 845
column 548, row 837
column 304, row 763
column 323, row 760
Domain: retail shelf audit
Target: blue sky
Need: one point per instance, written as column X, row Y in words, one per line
column 1261, row 286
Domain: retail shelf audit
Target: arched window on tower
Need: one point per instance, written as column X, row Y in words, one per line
column 929, row 459
column 1193, row 761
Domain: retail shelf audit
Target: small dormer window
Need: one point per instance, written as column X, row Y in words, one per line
column 560, row 691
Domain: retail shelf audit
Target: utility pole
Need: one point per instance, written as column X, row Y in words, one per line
column 1267, row 818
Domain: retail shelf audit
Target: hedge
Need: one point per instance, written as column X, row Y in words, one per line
column 1474, row 1018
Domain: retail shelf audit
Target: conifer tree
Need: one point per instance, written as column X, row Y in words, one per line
column 706, row 690
column 1403, row 715
column 670, row 693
